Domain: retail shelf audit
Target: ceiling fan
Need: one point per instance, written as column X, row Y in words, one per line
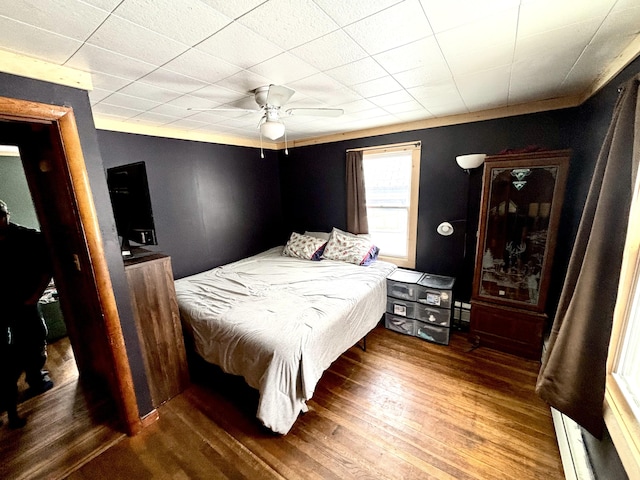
column 271, row 100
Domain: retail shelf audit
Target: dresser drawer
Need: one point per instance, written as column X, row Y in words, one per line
column 404, row 291
column 432, row 315
column 399, row 324
column 431, row 333
column 401, row 308
column 437, row 298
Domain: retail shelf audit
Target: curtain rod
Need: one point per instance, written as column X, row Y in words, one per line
column 386, row 147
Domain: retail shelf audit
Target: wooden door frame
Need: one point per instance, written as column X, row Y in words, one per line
column 63, row 119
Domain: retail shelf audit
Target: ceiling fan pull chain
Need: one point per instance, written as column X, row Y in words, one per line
column 286, row 150
column 261, row 151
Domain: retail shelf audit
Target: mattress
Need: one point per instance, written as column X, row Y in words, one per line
column 280, row 322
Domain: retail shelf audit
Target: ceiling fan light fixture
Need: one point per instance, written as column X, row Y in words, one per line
column 272, row 129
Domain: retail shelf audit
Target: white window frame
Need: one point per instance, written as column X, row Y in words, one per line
column 408, row 261
column 623, row 424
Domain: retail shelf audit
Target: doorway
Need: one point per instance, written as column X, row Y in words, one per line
column 51, row 154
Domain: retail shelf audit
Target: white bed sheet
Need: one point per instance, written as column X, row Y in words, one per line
column 280, row 322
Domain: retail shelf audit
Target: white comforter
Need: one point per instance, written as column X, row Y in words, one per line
column 280, row 322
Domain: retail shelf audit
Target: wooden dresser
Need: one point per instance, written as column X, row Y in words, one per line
column 155, row 309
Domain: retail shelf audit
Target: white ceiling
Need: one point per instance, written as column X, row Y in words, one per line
column 384, row 62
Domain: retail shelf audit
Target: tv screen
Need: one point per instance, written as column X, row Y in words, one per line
column 129, row 192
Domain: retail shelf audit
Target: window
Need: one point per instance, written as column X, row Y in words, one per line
column 622, row 396
column 392, row 177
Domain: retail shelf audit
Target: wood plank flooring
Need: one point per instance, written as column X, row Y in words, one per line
column 66, row 426
column 404, row 409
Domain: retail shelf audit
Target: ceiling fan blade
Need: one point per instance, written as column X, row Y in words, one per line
column 316, row 112
column 279, row 95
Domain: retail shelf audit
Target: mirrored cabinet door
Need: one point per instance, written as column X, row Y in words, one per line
column 522, row 199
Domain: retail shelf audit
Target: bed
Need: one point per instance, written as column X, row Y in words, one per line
column 280, row 321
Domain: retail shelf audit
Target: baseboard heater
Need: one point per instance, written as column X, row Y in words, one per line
column 573, row 451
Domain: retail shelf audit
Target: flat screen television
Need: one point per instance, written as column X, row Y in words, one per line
column 129, row 192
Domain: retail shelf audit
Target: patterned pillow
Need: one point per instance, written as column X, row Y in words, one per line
column 304, row 246
column 350, row 248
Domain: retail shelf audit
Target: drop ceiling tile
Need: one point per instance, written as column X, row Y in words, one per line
column 357, row 106
column 115, row 111
column 240, row 46
column 421, row 53
column 358, row 72
column 187, row 124
column 572, row 37
column 455, row 13
column 35, row 42
column 153, row 118
column 473, row 60
column 439, row 98
column 423, row 75
column 70, row 18
column 234, row 9
column 303, row 22
column 107, row 5
column 398, row 25
column 283, row 69
column 535, row 17
column 128, row 101
column 218, row 95
column 406, row 107
column 96, row 59
column 344, row 13
column 213, row 118
column 624, row 5
column 388, row 99
column 98, row 94
column 149, row 92
column 480, row 45
column 413, row 116
column 126, row 38
column 330, row 51
column 482, row 90
column 173, row 111
column 169, row 80
column 379, row 86
column 201, row 66
column 621, row 23
column 108, row 82
column 186, row 21
column 186, row 102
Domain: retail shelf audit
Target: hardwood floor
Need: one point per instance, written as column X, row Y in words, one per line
column 404, row 409
column 66, row 426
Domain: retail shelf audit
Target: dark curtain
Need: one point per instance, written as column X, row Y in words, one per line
column 356, row 202
column 573, row 372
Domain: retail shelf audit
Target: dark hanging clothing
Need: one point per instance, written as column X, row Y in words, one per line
column 25, row 271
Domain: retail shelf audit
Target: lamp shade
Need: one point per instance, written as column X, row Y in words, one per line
column 272, row 129
column 445, row 229
column 471, row 160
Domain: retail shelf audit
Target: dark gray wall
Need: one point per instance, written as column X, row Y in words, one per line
column 27, row 89
column 313, row 183
column 212, row 204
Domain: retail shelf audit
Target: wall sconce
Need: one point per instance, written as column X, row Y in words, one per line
column 471, row 160
column 446, row 228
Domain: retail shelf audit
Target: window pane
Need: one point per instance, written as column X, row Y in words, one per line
column 627, row 371
column 388, row 196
